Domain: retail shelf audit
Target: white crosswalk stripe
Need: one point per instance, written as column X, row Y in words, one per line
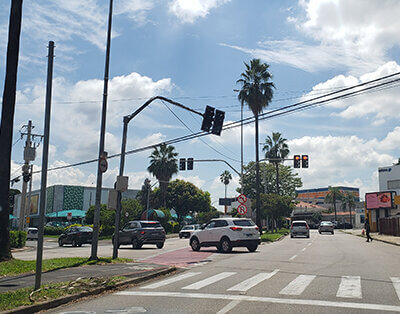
column 298, row 285
column 396, row 285
column 208, row 281
column 350, row 287
column 170, row 280
column 253, row 281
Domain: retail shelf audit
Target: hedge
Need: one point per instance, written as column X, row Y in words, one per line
column 17, row 239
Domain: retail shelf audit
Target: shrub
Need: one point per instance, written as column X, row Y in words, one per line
column 17, row 239
column 53, row 230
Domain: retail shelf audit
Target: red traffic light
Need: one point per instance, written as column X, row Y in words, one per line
column 296, row 160
column 304, row 161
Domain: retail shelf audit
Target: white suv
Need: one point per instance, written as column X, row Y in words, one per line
column 226, row 233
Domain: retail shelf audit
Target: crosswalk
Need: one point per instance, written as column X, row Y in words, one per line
column 350, row 287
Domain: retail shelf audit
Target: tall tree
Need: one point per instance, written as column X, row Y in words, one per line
column 7, row 124
column 225, row 178
column 144, row 194
column 163, row 164
column 348, row 201
column 276, row 150
column 256, row 92
column 334, row 195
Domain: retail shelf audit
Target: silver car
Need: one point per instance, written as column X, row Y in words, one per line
column 326, row 226
column 299, row 228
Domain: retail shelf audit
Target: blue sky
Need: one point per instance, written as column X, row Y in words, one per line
column 193, row 52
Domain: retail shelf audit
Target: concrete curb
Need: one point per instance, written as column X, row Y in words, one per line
column 46, row 305
column 375, row 239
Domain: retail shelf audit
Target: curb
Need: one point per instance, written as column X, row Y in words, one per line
column 375, row 239
column 46, row 305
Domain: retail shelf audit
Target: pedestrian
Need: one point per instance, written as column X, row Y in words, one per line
column 367, row 229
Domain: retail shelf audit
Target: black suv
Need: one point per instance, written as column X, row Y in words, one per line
column 141, row 232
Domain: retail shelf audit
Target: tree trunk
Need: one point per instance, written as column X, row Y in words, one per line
column 258, row 214
column 7, row 125
column 277, row 178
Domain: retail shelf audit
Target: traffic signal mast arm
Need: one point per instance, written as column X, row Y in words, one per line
column 211, row 160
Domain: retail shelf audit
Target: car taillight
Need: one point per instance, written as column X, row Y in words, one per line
column 291, row 226
column 236, row 228
column 142, row 232
column 256, row 227
column 308, row 228
column 78, row 234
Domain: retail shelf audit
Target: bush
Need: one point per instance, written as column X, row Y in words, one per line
column 53, row 230
column 171, row 227
column 17, row 239
column 176, row 228
column 107, row 230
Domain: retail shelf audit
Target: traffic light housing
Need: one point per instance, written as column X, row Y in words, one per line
column 182, row 164
column 208, row 117
column 304, row 161
column 27, row 177
column 190, row 164
column 218, row 122
column 296, row 161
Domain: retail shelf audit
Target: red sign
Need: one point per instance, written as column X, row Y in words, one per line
column 242, row 198
column 242, row 209
column 69, row 216
column 378, row 200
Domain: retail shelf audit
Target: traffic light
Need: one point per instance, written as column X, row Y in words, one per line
column 296, row 160
column 190, row 164
column 304, row 161
column 27, row 177
column 182, row 164
column 218, row 122
column 208, row 117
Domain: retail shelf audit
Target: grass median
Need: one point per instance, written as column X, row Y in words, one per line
column 270, row 236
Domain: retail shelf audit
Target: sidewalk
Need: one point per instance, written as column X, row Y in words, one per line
column 375, row 235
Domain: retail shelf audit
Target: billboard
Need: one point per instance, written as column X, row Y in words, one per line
column 379, row 200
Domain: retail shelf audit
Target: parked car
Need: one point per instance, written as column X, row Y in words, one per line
column 76, row 236
column 32, row 233
column 326, row 226
column 187, row 230
column 141, row 232
column 299, row 227
column 226, row 233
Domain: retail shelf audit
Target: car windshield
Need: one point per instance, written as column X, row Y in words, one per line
column 84, row 229
column 150, row 224
column 244, row 223
column 326, row 223
column 187, row 228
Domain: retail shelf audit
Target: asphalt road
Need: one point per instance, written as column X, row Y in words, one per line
column 323, row 274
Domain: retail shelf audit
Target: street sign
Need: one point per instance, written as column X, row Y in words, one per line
column 103, row 165
column 226, row 201
column 242, row 198
column 242, row 209
column 69, row 216
column 397, row 199
column 28, row 219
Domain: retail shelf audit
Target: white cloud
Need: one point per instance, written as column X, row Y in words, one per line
column 188, row 11
column 196, row 180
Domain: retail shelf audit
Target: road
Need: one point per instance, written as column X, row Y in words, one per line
column 337, row 273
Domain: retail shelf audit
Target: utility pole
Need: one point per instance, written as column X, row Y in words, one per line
column 30, row 193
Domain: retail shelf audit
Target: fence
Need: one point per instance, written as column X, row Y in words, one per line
column 389, row 226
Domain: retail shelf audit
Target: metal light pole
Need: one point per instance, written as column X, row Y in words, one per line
column 96, row 219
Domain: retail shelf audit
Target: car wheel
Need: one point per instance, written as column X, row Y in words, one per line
column 333, row 232
column 291, row 236
column 135, row 244
column 226, row 245
column 308, row 235
column 74, row 242
column 79, row 244
column 180, row 236
column 252, row 248
column 195, row 244
column 160, row 245
column 60, row 242
column 219, row 248
column 320, row 232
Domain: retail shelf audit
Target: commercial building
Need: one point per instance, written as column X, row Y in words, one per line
column 61, row 201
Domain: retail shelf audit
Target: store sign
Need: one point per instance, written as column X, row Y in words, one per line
column 379, row 200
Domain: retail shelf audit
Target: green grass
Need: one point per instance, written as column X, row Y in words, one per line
column 271, row 237
column 16, row 267
column 23, row 297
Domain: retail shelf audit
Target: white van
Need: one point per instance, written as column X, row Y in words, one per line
column 32, row 233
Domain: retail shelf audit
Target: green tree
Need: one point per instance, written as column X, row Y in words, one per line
column 334, row 195
column 163, row 164
column 276, row 150
column 204, row 217
column 289, row 180
column 348, row 201
column 131, row 210
column 143, row 194
column 225, row 178
column 275, row 207
column 256, row 92
column 185, row 197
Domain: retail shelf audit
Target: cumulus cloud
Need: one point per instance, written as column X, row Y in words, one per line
column 188, row 11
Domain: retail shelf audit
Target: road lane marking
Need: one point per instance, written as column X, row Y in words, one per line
column 170, row 280
column 292, row 258
column 309, row 244
column 350, row 287
column 246, row 298
column 208, row 281
column 298, row 285
column 228, row 307
column 253, row 281
column 396, row 284
column 303, row 249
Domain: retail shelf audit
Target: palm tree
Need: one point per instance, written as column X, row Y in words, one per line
column 334, row 194
column 276, row 150
column 257, row 93
column 225, row 178
column 348, row 201
column 163, row 164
